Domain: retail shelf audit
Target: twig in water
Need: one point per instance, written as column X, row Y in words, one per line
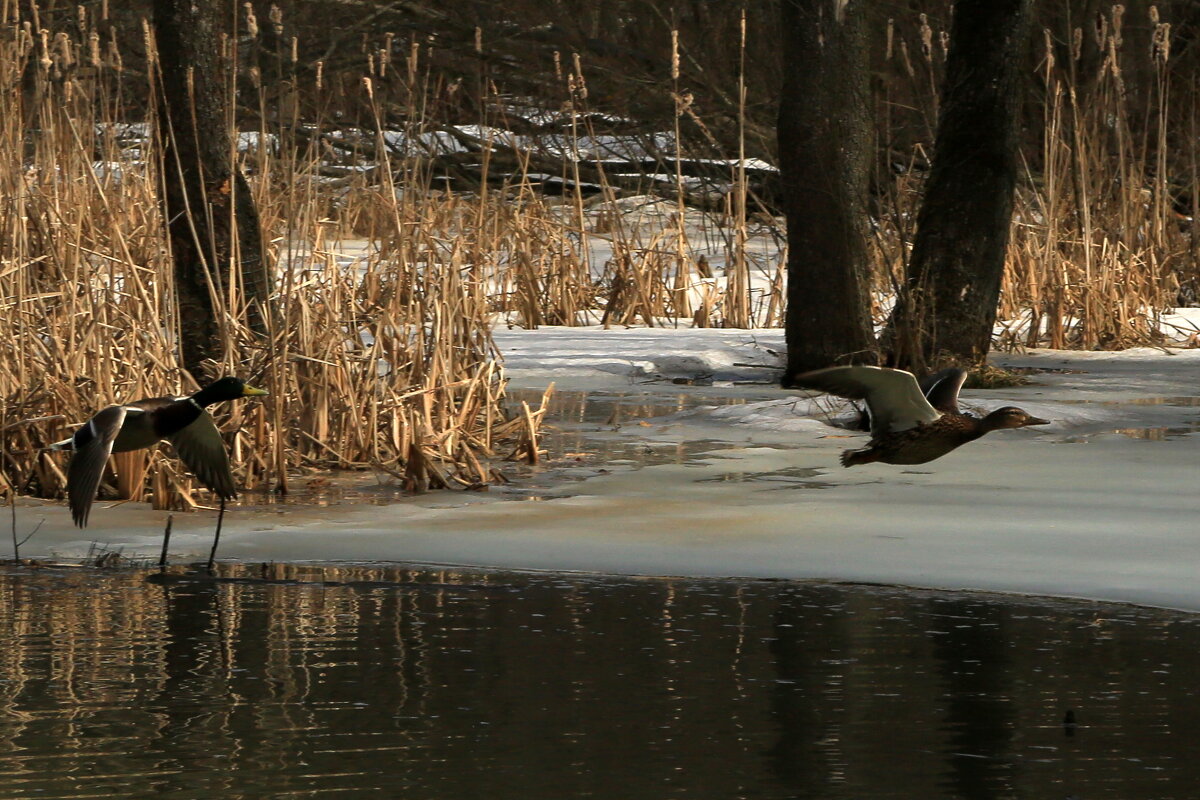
column 217, row 536
column 162, row 559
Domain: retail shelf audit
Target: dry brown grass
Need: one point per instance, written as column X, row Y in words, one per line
column 384, row 364
column 1097, row 251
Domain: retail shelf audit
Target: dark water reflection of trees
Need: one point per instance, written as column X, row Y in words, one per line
column 363, row 684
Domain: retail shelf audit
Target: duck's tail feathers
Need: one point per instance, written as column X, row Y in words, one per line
column 65, row 444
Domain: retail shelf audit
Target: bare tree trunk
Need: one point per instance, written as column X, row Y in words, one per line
column 210, row 213
column 947, row 306
column 824, row 157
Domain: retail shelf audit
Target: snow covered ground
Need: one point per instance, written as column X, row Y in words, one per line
column 709, row 470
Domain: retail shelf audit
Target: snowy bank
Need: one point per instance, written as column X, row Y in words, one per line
column 745, row 481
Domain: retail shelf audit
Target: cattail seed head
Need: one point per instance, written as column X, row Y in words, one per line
column 251, row 21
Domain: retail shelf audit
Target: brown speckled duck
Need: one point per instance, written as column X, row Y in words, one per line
column 908, row 425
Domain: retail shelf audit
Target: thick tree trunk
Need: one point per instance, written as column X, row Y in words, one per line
column 947, row 307
column 211, row 216
column 824, row 156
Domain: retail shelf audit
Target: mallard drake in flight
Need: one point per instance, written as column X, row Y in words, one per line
column 909, row 426
column 182, row 421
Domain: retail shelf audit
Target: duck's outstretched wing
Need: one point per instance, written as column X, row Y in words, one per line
column 202, row 449
column 92, row 444
column 893, row 396
column 941, row 389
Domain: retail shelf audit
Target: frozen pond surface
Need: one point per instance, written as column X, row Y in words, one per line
column 717, row 476
column 369, row 681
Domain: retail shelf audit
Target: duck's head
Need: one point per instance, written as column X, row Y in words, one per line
column 1011, row 417
column 226, row 389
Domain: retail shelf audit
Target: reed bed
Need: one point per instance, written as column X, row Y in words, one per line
column 400, row 238
column 1102, row 243
column 1102, row 239
column 377, row 354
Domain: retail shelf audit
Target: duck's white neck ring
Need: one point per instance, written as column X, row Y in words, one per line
column 192, row 400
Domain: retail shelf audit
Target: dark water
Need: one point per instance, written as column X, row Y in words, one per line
column 496, row 685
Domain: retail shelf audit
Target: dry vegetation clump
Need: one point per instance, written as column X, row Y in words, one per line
column 382, row 361
column 1102, row 240
column 1101, row 243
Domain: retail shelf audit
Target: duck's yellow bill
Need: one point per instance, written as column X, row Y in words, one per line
column 250, row 391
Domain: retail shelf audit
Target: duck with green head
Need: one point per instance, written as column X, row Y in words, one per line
column 183, row 421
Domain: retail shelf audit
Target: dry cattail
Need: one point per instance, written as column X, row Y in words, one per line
column 114, row 54
column 581, row 85
column 674, row 54
column 62, row 54
column 413, row 61
column 45, row 62
column 251, row 21
column 908, row 66
column 147, row 41
column 1160, row 42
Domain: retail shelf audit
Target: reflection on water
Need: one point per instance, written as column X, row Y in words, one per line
column 587, row 433
column 1184, row 400
column 789, row 478
column 388, row 682
column 1157, row 433
column 592, row 432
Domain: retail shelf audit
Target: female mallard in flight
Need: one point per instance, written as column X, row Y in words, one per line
column 908, row 425
column 180, row 420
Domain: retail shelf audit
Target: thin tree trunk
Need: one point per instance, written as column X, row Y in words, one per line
column 824, row 157
column 947, row 306
column 210, row 213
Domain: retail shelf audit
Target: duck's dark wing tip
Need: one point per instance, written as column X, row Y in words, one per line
column 93, row 445
column 202, row 449
column 942, row 387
